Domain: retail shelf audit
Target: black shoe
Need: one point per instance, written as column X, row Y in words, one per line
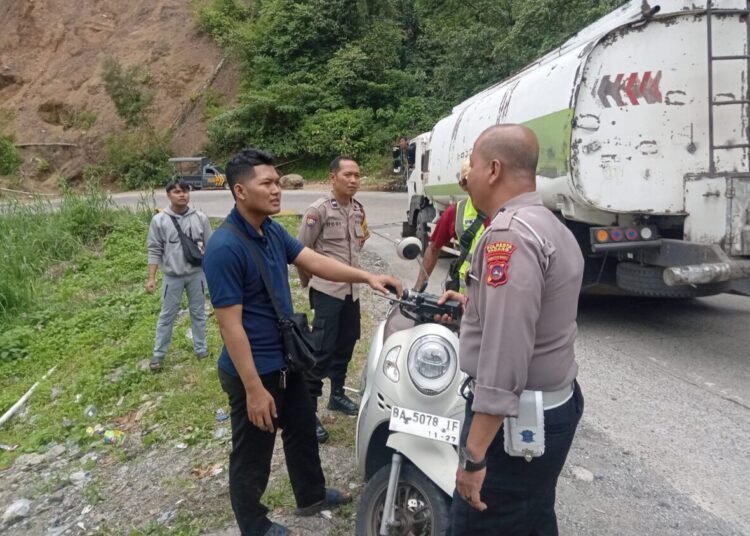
column 343, row 403
column 320, row 431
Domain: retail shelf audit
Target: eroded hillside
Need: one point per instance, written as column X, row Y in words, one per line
column 51, row 89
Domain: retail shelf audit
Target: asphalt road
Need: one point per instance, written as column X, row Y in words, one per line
column 664, row 445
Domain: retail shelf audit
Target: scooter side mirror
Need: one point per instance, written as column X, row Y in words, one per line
column 409, row 248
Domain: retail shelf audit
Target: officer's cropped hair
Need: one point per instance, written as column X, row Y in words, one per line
column 241, row 166
column 515, row 146
column 336, row 162
column 182, row 184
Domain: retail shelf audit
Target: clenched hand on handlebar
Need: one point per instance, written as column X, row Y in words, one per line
column 450, row 295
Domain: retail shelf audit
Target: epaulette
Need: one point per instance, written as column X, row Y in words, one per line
column 503, row 220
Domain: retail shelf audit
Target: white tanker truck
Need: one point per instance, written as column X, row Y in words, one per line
column 642, row 120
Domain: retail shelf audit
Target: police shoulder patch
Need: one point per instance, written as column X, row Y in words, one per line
column 497, row 255
column 311, row 220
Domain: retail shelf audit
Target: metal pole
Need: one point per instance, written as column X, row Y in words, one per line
column 711, row 166
column 710, row 272
column 389, row 507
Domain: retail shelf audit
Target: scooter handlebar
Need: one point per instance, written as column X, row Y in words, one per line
column 426, row 306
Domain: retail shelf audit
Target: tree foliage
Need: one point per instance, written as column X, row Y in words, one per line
column 323, row 77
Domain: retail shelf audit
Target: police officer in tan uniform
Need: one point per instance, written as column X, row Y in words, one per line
column 516, row 346
column 335, row 226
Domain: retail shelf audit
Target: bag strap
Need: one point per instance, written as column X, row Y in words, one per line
column 465, row 241
column 259, row 263
column 176, row 225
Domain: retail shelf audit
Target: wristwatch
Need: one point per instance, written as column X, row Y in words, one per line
column 467, row 464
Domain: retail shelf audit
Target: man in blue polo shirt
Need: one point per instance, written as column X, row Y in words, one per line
column 263, row 395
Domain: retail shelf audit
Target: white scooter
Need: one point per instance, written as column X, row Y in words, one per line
column 410, row 417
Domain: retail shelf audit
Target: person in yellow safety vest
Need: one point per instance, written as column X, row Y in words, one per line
column 452, row 224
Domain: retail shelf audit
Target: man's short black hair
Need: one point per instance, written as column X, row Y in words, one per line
column 336, row 162
column 403, row 138
column 182, row 184
column 242, row 165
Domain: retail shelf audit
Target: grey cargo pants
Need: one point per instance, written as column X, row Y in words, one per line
column 171, row 294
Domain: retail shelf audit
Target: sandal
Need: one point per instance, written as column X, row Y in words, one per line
column 156, row 364
column 333, row 499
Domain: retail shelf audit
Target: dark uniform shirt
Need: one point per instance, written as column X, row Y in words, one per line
column 233, row 279
column 519, row 326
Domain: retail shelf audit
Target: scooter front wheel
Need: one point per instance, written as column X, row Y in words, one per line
column 422, row 509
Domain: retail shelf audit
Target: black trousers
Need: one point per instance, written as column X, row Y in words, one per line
column 336, row 329
column 252, row 449
column 520, row 495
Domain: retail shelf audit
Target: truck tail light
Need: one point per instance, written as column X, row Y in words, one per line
column 606, row 238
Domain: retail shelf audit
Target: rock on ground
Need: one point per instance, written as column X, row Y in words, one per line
column 292, row 182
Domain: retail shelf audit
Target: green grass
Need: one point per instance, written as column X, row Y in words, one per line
column 279, row 493
column 78, row 302
column 86, row 312
column 36, row 238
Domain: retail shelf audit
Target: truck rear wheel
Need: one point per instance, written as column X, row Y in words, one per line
column 648, row 281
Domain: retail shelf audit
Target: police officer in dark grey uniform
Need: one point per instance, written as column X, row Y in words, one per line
column 516, row 345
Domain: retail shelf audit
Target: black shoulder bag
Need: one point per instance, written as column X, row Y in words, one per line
column 296, row 337
column 193, row 254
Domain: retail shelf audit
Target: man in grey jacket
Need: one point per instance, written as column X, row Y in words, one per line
column 165, row 250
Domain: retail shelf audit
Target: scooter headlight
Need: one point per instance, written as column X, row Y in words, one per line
column 432, row 363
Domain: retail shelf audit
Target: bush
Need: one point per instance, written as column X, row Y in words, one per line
column 124, row 87
column 10, row 158
column 135, row 161
column 14, row 343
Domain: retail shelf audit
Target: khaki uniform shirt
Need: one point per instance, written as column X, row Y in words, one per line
column 336, row 231
column 519, row 326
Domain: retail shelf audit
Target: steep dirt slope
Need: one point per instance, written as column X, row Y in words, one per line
column 51, row 54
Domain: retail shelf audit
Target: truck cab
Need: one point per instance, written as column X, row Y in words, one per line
column 422, row 210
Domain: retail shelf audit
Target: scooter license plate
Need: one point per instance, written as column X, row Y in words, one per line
column 423, row 424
